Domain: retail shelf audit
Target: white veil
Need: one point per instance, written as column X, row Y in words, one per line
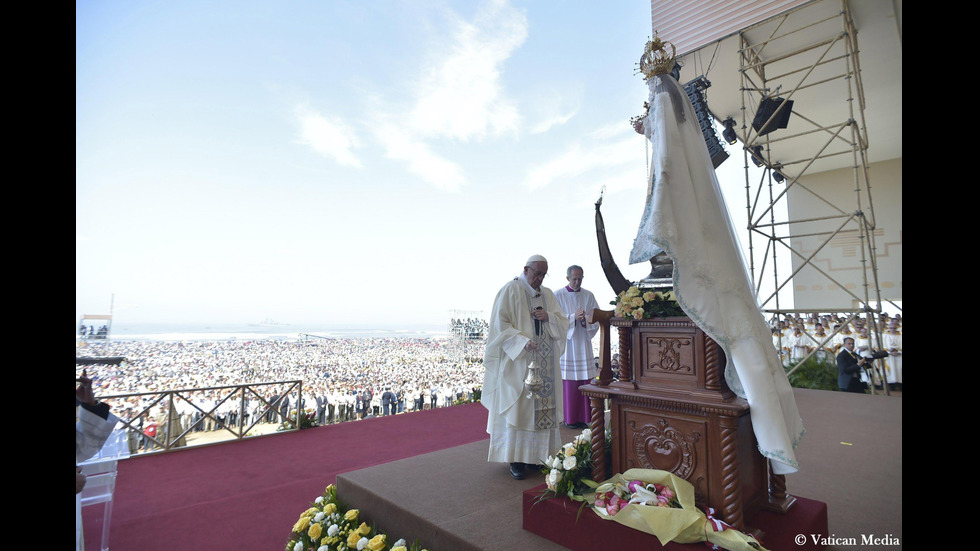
column 686, row 216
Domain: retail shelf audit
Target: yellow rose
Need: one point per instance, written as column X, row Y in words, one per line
column 312, row 511
column 651, row 296
column 399, row 548
column 669, row 295
column 314, row 531
column 330, row 488
column 377, row 543
column 633, row 291
column 352, row 540
column 363, row 529
column 638, row 314
column 351, row 515
column 330, row 508
column 636, row 302
column 301, row 524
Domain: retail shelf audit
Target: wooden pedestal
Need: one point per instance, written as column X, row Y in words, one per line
column 672, row 410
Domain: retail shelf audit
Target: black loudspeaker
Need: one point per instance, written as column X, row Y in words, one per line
column 767, row 107
column 695, row 92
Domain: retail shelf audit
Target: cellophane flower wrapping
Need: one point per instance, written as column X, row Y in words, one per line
column 686, row 524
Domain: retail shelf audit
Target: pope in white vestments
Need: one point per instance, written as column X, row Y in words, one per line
column 526, row 325
column 578, row 361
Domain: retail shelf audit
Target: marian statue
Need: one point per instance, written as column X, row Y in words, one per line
column 686, row 219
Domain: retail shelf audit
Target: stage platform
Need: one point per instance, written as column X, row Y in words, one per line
column 425, row 475
column 454, row 499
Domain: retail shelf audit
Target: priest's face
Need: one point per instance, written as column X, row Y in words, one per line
column 575, row 280
column 535, row 272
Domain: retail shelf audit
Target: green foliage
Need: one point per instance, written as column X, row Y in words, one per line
column 474, row 397
column 814, row 373
column 307, row 419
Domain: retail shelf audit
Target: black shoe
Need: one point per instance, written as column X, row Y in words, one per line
column 517, row 471
column 532, row 467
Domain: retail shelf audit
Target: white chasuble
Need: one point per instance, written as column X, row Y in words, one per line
column 523, row 429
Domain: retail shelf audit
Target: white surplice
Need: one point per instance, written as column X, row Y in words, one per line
column 893, row 343
column 523, row 429
column 578, row 361
column 686, row 216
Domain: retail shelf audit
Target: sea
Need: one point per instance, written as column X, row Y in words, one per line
column 265, row 331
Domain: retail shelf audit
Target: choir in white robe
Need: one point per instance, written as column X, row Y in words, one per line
column 521, row 429
column 893, row 343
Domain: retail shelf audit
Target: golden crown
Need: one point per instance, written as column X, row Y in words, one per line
column 655, row 59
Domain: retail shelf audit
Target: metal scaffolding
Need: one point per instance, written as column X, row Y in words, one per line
column 467, row 335
column 787, row 58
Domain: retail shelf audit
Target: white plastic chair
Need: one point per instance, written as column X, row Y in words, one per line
column 100, row 477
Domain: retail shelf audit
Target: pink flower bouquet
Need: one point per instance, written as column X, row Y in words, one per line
column 662, row 504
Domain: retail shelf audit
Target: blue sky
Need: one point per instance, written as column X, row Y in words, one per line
column 380, row 162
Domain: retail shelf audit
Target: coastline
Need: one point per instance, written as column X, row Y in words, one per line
column 248, row 332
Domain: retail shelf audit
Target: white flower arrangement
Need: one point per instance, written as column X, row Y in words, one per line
column 569, row 471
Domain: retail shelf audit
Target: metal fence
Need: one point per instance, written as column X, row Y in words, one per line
column 162, row 421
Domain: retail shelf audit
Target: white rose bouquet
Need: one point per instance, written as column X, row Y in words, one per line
column 569, row 472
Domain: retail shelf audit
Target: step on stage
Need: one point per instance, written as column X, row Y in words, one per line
column 454, row 499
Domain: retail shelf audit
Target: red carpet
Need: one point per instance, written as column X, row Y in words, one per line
column 247, row 495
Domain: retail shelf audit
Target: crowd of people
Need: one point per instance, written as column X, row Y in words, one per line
column 90, row 332
column 795, row 336
column 350, row 379
column 342, row 379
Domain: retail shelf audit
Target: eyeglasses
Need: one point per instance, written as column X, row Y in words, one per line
column 539, row 274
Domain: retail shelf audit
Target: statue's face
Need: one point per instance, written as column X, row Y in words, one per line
column 575, row 280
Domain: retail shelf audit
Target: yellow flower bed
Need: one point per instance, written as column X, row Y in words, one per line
column 330, row 526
